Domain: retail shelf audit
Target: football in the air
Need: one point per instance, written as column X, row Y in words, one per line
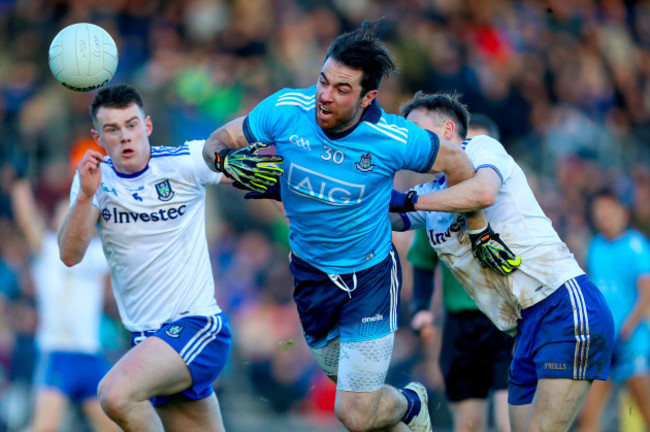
column 83, row 57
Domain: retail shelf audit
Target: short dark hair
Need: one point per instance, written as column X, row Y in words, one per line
column 360, row 49
column 447, row 104
column 479, row 120
column 116, row 96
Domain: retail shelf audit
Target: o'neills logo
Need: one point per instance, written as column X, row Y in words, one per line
column 555, row 366
column 377, row 317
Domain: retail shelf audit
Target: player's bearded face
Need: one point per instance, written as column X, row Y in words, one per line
column 124, row 133
column 339, row 102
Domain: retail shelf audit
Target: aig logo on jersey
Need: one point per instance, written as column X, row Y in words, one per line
column 164, row 189
column 310, row 183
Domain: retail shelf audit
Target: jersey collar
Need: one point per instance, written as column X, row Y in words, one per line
column 132, row 175
column 372, row 115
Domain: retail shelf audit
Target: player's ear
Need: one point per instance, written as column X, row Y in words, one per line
column 367, row 99
column 148, row 124
column 97, row 138
column 450, row 128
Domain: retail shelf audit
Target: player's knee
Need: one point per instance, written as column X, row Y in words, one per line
column 354, row 418
column 113, row 400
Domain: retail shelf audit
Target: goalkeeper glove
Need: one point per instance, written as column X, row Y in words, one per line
column 492, row 252
column 402, row 202
column 272, row 192
column 244, row 165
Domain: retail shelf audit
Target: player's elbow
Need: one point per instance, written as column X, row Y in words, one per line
column 69, row 259
column 484, row 196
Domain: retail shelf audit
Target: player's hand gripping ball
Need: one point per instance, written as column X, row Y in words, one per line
column 83, row 57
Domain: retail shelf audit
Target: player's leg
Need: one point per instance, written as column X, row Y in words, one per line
column 470, row 415
column 563, row 343
column 185, row 415
column 591, row 412
column 49, row 409
column 97, row 417
column 54, row 381
column 362, row 309
column 363, row 404
column 176, row 367
column 500, row 410
column 639, row 388
column 556, row 404
column 149, row 369
column 90, row 371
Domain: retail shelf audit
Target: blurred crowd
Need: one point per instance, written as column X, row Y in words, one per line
column 568, row 83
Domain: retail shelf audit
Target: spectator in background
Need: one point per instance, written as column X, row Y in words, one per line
column 69, row 304
column 619, row 262
column 474, row 355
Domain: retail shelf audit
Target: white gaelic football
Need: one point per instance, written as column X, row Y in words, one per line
column 83, row 57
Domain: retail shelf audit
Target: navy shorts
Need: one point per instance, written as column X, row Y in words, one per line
column 76, row 375
column 204, row 344
column 326, row 311
column 570, row 335
column 474, row 356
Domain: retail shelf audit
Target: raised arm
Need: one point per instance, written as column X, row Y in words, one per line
column 78, row 227
column 27, row 214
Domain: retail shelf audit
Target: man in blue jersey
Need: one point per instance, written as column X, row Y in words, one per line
column 619, row 263
column 341, row 151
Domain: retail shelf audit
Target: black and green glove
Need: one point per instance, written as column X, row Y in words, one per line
column 256, row 172
column 492, row 252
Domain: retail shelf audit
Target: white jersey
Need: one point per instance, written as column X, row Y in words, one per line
column 69, row 299
column 152, row 226
column 517, row 216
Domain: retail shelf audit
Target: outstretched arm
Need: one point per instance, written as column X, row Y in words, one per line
column 229, row 136
column 78, row 227
column 227, row 150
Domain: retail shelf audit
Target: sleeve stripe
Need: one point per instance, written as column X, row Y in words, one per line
column 493, row 167
column 435, row 146
column 248, row 133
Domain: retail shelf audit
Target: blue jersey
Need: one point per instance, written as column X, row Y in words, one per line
column 615, row 266
column 336, row 186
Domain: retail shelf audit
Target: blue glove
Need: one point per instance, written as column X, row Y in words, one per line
column 492, row 252
column 244, row 165
column 272, row 192
column 402, row 202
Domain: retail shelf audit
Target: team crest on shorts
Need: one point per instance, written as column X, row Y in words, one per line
column 174, row 331
column 365, row 164
column 164, row 189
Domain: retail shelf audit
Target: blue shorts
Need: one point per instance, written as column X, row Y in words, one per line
column 631, row 357
column 76, row 375
column 326, row 311
column 568, row 335
column 204, row 344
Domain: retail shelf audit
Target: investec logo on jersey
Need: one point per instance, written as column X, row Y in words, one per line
column 121, row 217
column 325, row 188
column 440, row 237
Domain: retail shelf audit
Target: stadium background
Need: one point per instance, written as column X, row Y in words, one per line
column 567, row 81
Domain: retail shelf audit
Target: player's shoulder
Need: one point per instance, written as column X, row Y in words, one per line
column 162, row 152
column 637, row 242
column 482, row 142
column 288, row 97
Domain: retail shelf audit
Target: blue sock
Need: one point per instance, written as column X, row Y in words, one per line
column 414, row 405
